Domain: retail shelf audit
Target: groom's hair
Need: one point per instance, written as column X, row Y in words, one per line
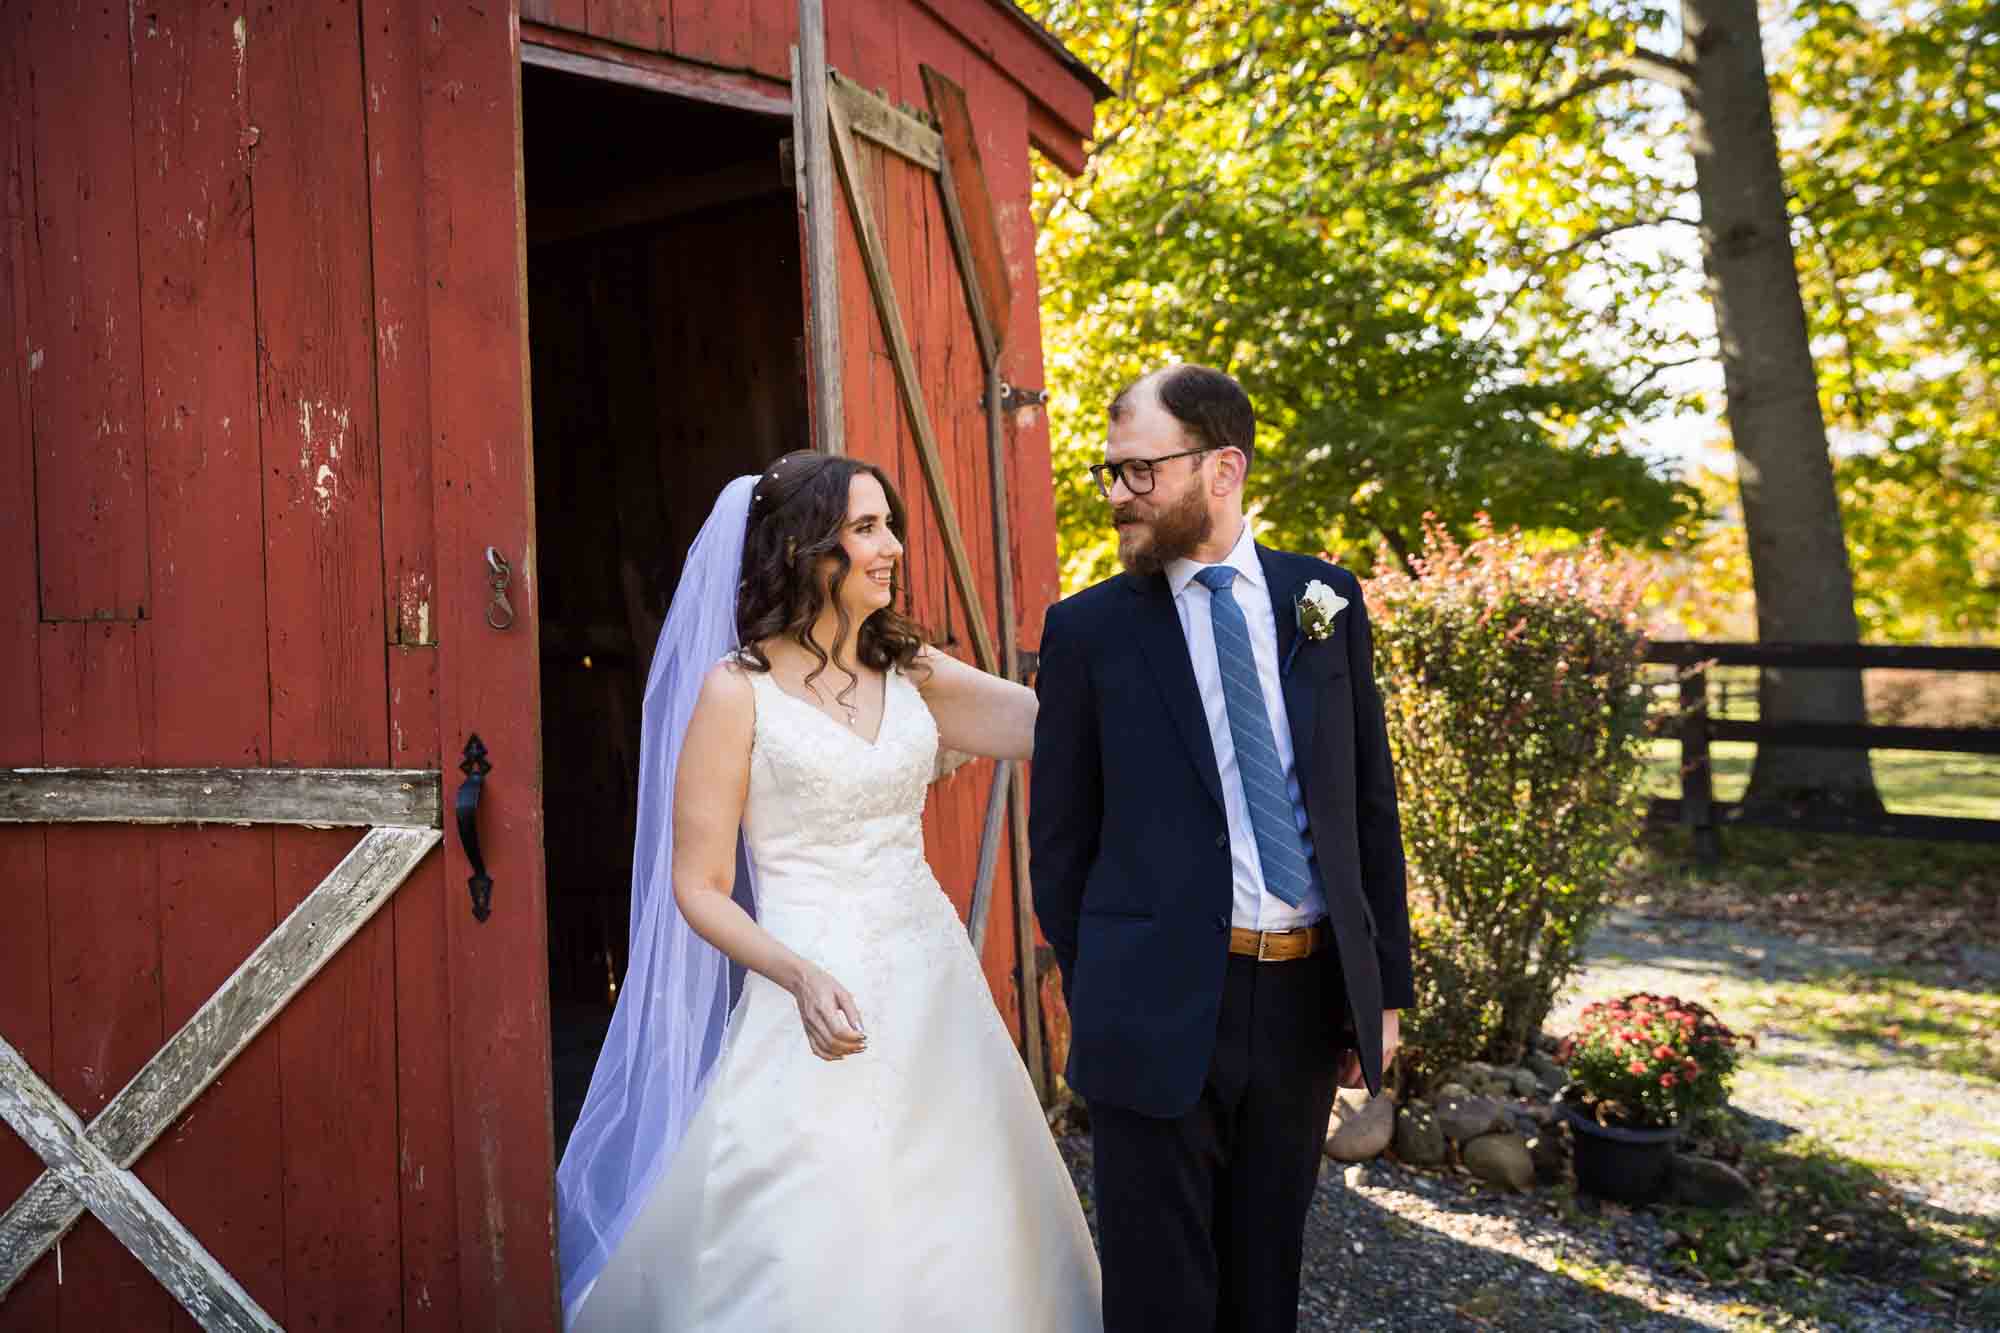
column 1210, row 406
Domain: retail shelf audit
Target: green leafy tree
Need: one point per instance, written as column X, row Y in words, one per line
column 1488, row 184
column 1251, row 204
column 1895, row 162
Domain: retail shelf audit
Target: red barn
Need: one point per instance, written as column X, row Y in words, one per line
column 368, row 367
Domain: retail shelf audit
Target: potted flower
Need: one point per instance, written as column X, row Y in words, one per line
column 1640, row 1068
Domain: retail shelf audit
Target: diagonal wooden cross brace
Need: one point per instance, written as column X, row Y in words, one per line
column 122, row 1202
column 88, row 1169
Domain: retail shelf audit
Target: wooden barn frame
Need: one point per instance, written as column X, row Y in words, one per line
column 303, row 507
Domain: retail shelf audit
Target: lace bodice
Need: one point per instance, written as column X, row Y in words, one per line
column 831, row 819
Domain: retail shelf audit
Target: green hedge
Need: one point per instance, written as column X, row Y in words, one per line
column 1511, row 681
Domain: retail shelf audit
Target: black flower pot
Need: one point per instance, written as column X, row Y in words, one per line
column 1628, row 1166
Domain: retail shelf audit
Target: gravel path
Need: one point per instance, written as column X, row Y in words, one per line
column 1392, row 1248
column 1932, row 1132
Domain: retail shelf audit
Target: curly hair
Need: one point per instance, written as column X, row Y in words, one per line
column 796, row 516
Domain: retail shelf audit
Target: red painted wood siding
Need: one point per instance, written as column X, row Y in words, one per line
column 235, row 235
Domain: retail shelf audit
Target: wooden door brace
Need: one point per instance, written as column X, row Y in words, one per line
column 875, row 258
column 90, row 1169
column 975, row 239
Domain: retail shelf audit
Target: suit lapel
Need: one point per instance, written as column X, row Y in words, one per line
column 1166, row 648
column 1299, row 700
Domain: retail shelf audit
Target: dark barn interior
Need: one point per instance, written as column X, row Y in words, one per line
column 665, row 328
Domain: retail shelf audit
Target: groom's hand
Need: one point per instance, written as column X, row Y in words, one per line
column 1392, row 1039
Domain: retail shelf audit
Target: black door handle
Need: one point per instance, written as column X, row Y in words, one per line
column 475, row 768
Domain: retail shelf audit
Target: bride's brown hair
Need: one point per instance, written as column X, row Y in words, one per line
column 797, row 512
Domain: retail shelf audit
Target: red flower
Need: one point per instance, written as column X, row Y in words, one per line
column 1663, row 1053
column 1637, row 1066
column 1666, row 1080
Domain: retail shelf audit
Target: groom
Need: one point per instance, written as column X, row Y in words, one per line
column 1218, row 865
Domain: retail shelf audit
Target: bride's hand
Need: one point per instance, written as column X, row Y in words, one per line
column 832, row 1019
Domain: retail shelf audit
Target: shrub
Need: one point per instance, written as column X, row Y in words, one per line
column 1511, row 684
column 1650, row 1060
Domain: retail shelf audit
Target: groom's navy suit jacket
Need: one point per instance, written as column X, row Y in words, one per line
column 1130, row 843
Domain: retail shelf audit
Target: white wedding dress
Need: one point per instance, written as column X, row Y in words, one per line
column 913, row 1186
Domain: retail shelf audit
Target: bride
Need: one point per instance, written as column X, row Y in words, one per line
column 854, row 1144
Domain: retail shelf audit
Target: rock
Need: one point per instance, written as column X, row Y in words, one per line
column 1703, row 1182
column 1478, row 1077
column 1523, row 1082
column 1501, row 1159
column 1465, row 1116
column 1549, row 1154
column 1361, row 1175
column 1419, row 1137
column 1547, row 1072
column 1361, row 1127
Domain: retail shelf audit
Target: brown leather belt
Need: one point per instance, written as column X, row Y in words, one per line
column 1279, row 946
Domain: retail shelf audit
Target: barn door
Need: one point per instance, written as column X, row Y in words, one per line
column 470, row 675
column 916, row 328
column 261, row 417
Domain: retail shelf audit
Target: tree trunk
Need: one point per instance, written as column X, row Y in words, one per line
column 1798, row 557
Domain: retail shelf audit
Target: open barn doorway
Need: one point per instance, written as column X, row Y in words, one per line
column 666, row 341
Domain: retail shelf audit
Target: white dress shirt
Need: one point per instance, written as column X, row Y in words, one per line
column 1254, row 908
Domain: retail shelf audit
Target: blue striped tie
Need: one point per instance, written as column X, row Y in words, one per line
column 1280, row 851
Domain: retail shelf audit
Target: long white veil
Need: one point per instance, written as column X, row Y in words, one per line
column 667, row 1027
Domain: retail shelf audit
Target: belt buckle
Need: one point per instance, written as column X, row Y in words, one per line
column 1263, row 940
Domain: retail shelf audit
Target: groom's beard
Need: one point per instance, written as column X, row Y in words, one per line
column 1147, row 546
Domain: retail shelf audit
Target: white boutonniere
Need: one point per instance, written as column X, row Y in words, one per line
column 1316, row 608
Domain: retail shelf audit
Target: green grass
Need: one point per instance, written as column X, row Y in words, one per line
column 1911, row 782
column 1887, row 1018
column 1822, row 1214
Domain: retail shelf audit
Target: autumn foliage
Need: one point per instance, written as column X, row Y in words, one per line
column 1511, row 685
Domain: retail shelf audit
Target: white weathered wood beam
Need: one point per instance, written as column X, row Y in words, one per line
column 195, row 1057
column 884, row 123
column 875, row 259
column 319, row 797
column 122, row 1202
column 820, row 217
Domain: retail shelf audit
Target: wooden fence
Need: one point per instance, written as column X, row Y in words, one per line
column 1697, row 810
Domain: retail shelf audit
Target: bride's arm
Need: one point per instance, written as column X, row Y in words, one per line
column 976, row 712
column 709, row 794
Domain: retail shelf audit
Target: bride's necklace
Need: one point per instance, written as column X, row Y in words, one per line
column 851, row 712
column 853, row 723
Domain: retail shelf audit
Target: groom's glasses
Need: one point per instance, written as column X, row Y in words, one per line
column 1138, row 474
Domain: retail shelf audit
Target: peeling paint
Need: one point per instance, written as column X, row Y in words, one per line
column 489, row 1193
column 241, row 30
column 35, row 359
column 322, row 429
